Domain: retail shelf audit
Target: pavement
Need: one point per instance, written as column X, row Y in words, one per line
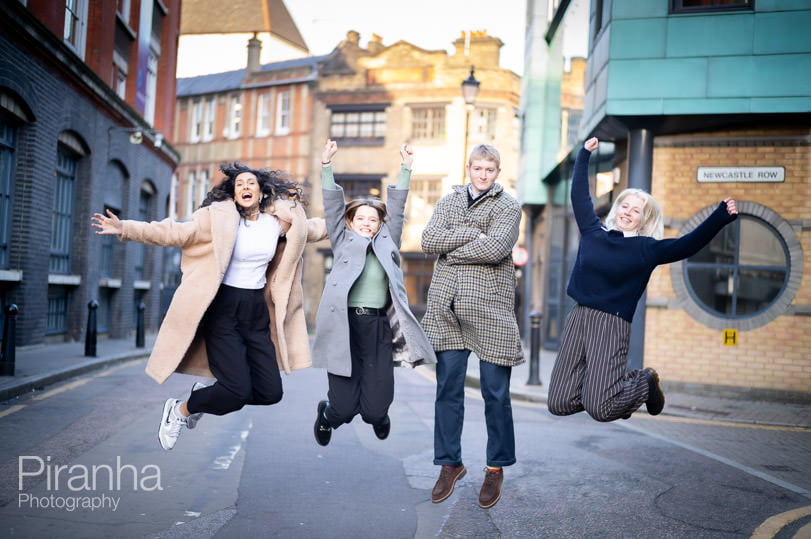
column 39, row 366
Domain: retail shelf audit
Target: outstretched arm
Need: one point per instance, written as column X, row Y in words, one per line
column 582, row 205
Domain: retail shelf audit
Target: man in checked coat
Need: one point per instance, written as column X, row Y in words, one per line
column 470, row 308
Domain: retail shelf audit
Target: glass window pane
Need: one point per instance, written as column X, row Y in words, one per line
column 721, row 250
column 352, row 130
column 712, row 288
column 757, row 289
column 760, row 246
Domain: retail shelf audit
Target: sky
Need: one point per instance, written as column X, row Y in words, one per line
column 428, row 24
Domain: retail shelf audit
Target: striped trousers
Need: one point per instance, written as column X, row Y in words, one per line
column 590, row 370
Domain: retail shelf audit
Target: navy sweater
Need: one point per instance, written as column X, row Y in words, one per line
column 611, row 270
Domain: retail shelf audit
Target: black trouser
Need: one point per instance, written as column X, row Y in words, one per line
column 236, row 328
column 369, row 391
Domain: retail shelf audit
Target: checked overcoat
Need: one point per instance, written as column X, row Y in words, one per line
column 472, row 294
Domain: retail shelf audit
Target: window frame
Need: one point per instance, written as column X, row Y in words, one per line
column 433, row 126
column 676, row 7
column 780, row 304
column 379, row 118
column 263, row 114
column 8, row 147
column 77, row 37
column 284, row 111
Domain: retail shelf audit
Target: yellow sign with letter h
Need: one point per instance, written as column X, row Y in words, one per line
column 730, row 337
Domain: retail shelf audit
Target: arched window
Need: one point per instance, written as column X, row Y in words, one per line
column 746, row 276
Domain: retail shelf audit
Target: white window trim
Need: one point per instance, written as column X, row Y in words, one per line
column 263, row 114
column 81, row 30
column 234, row 128
column 196, row 121
column 209, row 118
column 283, row 113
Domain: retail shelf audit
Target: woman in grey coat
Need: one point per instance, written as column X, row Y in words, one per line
column 364, row 305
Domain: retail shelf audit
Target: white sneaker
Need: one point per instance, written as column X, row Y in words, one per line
column 171, row 423
column 192, row 420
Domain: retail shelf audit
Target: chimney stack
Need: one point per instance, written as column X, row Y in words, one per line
column 254, row 51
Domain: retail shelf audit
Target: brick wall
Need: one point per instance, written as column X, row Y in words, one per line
column 774, row 356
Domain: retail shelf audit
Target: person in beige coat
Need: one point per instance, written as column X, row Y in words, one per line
column 237, row 314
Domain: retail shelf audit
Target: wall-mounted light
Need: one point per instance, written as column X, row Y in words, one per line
column 137, row 134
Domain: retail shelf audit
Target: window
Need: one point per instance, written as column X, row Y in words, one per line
column 743, row 276
column 120, row 83
column 74, row 31
column 196, row 130
column 7, row 160
column 234, row 117
column 191, row 193
column 428, row 123
column 122, row 7
column 359, row 125
column 56, row 320
column 115, row 186
column 360, row 185
column 211, row 110
column 140, row 263
column 417, row 279
column 263, row 115
column 741, row 271
column 283, row 112
column 151, row 87
column 425, row 192
column 483, row 129
column 62, row 212
column 693, row 6
column 202, row 188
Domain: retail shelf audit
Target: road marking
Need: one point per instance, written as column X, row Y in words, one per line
column 77, row 383
column 751, row 471
column 224, row 462
column 720, row 423
column 11, row 409
column 772, row 525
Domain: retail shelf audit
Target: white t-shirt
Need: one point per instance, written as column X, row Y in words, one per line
column 255, row 246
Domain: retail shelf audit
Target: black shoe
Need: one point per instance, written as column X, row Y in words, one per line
column 656, row 398
column 382, row 430
column 322, row 428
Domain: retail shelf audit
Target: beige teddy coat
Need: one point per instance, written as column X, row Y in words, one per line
column 207, row 241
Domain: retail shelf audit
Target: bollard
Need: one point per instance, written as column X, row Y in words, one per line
column 534, row 348
column 91, row 333
column 9, row 345
column 139, row 326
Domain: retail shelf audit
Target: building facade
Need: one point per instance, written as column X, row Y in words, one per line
column 696, row 102
column 373, row 99
column 86, row 105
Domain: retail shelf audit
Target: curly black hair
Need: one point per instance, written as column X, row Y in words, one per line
column 274, row 184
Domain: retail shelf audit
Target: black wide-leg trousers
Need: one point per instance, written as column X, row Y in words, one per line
column 369, row 391
column 236, row 329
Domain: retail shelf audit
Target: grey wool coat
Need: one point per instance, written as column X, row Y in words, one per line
column 471, row 299
column 331, row 344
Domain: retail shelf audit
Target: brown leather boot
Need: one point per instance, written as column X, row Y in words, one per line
column 491, row 488
column 447, row 480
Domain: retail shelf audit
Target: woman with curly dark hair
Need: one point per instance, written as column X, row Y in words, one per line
column 237, row 314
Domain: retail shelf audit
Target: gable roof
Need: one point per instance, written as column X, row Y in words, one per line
column 240, row 16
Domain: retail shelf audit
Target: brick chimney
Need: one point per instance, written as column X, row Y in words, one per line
column 477, row 48
column 254, row 51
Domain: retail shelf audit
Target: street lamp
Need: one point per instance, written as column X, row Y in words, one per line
column 470, row 89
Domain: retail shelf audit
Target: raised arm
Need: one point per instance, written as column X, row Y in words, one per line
column 674, row 249
column 581, row 199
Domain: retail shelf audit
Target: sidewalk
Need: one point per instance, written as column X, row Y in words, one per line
column 39, row 366
column 733, row 406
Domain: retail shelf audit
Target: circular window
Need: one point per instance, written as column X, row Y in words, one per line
column 746, row 276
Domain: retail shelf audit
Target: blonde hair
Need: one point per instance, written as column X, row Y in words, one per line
column 353, row 205
column 650, row 224
column 486, row 152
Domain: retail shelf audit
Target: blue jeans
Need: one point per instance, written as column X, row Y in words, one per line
column 449, row 409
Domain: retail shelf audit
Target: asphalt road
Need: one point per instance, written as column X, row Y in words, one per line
column 81, row 459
